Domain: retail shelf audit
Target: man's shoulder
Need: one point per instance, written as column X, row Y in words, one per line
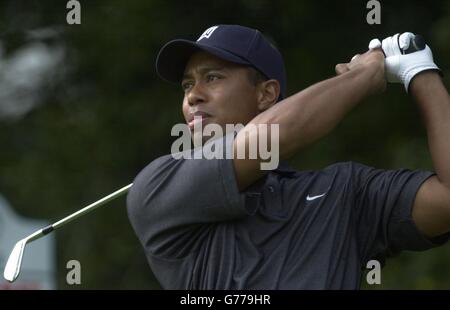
column 148, row 178
column 158, row 164
column 160, row 161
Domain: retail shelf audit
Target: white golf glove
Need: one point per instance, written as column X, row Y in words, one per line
column 403, row 59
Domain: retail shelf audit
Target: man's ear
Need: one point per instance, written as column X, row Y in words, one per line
column 268, row 94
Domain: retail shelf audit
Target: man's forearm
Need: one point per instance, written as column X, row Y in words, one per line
column 306, row 117
column 312, row 113
column 433, row 99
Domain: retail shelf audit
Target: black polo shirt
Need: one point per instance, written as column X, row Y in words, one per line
column 290, row 230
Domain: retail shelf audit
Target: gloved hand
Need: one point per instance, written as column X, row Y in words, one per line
column 403, row 59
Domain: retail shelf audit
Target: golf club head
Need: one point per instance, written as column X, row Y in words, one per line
column 14, row 262
column 12, row 267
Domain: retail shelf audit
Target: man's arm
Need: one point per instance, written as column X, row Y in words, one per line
column 431, row 210
column 312, row 113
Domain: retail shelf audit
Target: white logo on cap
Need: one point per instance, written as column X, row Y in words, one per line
column 208, row 32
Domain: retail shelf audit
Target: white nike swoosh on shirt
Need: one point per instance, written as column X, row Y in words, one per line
column 309, row 198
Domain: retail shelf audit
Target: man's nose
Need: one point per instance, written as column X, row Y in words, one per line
column 196, row 94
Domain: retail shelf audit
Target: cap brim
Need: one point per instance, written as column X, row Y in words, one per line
column 173, row 57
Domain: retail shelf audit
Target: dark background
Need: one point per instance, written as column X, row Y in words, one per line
column 95, row 113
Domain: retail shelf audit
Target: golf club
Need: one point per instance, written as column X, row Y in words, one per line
column 12, row 267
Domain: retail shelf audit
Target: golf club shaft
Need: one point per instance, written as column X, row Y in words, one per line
column 85, row 210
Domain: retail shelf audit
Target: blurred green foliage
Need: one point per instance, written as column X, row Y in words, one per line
column 109, row 115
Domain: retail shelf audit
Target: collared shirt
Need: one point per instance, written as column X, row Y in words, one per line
column 290, row 230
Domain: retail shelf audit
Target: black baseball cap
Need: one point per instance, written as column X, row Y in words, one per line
column 233, row 43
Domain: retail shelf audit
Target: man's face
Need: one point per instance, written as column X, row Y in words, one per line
column 218, row 91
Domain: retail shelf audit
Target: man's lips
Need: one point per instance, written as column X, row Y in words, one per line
column 197, row 117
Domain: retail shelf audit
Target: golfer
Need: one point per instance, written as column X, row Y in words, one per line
column 228, row 224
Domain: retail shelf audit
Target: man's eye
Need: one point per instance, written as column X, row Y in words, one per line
column 212, row 77
column 186, row 86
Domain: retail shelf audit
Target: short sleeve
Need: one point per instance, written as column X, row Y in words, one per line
column 172, row 202
column 383, row 202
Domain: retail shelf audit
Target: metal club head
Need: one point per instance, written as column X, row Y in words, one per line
column 12, row 267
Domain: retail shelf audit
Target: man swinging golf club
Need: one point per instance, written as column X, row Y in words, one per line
column 227, row 224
